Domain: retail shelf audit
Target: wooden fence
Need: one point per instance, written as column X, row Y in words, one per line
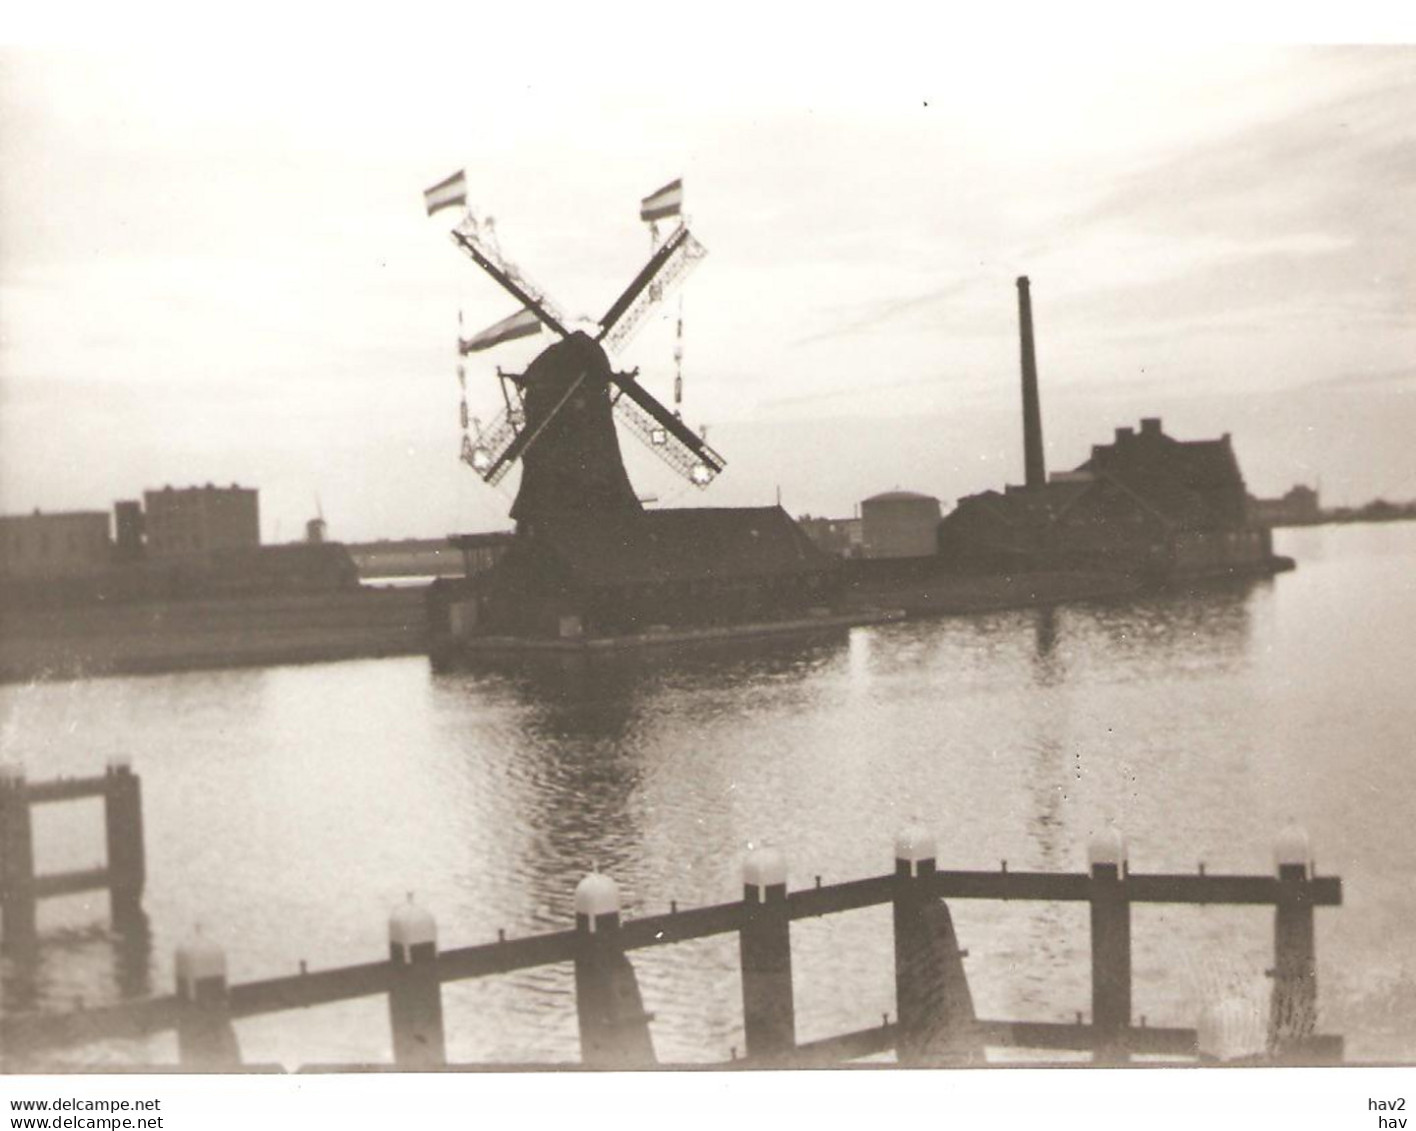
column 935, row 1022
column 21, row 888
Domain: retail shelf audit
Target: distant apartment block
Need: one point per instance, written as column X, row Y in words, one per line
column 1299, row 507
column 69, row 544
column 197, row 520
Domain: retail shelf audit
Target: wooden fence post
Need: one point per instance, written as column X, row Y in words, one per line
column 1293, row 1009
column 614, row 1028
column 205, row 1038
column 17, row 892
column 765, row 946
column 123, row 827
column 1110, row 947
column 415, row 994
column 932, row 997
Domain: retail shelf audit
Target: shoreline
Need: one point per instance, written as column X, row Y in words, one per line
column 864, row 604
column 151, row 638
column 154, row 638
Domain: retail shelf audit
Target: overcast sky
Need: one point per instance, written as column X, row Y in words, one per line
column 216, row 264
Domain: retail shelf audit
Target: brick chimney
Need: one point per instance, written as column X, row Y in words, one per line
column 1035, row 467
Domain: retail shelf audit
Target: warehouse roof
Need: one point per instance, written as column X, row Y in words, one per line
column 627, row 547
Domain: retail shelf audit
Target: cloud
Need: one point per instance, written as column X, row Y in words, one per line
column 245, row 267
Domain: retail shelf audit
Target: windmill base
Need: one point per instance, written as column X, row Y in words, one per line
column 449, row 647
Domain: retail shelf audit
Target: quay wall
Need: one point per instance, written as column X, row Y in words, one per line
column 254, row 630
column 921, row 591
column 158, row 636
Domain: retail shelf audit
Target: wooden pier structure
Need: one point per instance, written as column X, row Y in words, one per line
column 123, row 875
column 935, row 1023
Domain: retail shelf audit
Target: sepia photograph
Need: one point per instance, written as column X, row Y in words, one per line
column 543, row 545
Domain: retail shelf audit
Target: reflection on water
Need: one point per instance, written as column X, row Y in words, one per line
column 1045, row 630
column 67, row 964
column 290, row 808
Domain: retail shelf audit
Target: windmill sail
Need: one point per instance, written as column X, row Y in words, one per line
column 484, row 252
column 485, row 453
column 561, row 424
column 665, row 434
column 667, row 267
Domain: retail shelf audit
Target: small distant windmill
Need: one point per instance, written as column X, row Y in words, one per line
column 559, row 414
column 316, row 529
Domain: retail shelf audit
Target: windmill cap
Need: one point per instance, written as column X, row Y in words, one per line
column 764, row 868
column 597, row 895
column 915, row 843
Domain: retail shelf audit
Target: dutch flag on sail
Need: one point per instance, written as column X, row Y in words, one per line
column 522, row 324
column 451, row 193
column 668, row 201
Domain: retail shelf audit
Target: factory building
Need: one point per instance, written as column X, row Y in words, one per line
column 899, row 524
column 1145, row 503
column 296, row 567
column 480, row 552
column 67, row 544
column 128, row 522
column 1195, row 483
column 1076, row 521
column 197, row 520
column 839, row 537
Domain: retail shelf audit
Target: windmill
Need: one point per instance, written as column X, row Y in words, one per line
column 559, row 413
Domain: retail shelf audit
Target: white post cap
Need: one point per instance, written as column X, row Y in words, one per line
column 597, row 895
column 1107, row 847
column 410, row 925
column 915, row 843
column 1292, row 847
column 764, row 868
column 199, row 958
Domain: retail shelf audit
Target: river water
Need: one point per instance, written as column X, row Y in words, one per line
column 289, row 809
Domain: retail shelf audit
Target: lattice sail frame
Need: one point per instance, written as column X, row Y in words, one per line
column 667, row 446
column 683, row 260
column 482, row 235
column 491, row 443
